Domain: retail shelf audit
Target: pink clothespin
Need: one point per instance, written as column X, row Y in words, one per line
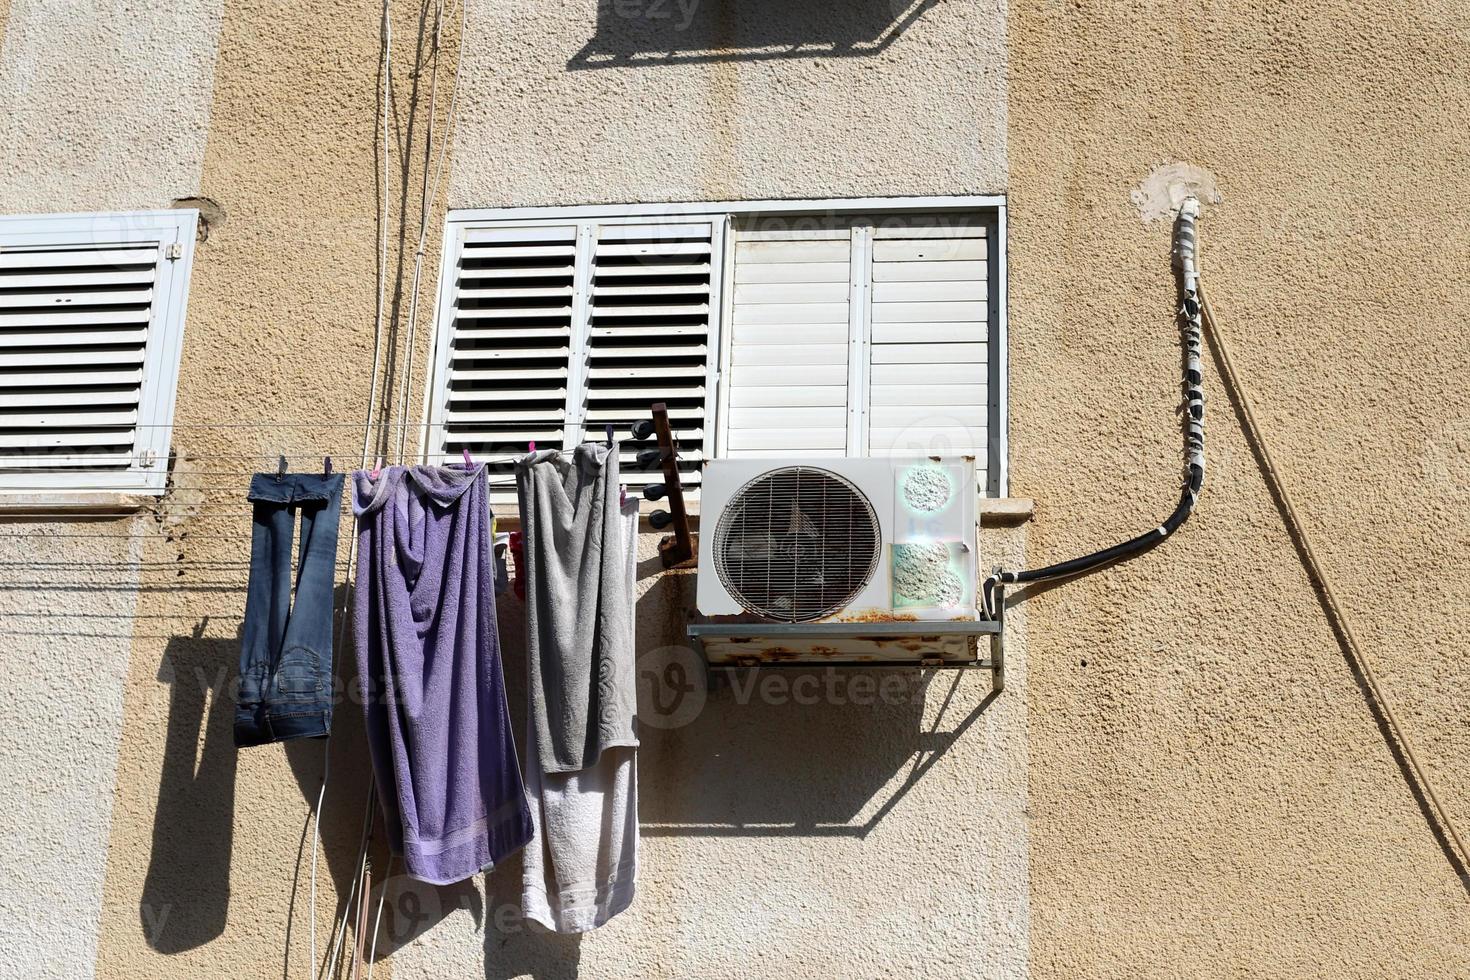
column 533, row 446
column 377, row 468
column 469, row 464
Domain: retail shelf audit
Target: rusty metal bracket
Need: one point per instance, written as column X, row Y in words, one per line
column 998, row 642
column 992, row 628
column 680, row 547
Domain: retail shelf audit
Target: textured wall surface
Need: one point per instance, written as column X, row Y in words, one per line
column 210, row 846
column 855, row 824
column 1183, row 777
column 66, row 605
column 838, row 838
column 647, row 100
column 106, row 103
column 73, row 139
column 1211, row 794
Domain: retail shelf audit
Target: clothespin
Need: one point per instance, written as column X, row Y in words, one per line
column 377, row 468
column 532, row 448
column 469, row 464
column 609, row 430
column 622, row 495
column 327, row 465
column 280, row 467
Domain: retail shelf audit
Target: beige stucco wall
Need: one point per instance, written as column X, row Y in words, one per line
column 67, row 604
column 214, row 845
column 1182, row 777
column 571, row 102
column 73, row 139
column 1210, row 793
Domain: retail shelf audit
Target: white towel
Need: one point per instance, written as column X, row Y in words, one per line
column 582, row 863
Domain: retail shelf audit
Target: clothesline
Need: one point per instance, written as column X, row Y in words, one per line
column 151, row 585
column 357, row 426
column 127, row 615
column 273, row 455
column 240, row 489
column 176, row 536
column 137, row 566
column 243, row 474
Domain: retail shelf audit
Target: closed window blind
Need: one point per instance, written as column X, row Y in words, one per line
column 860, row 337
column 507, row 360
column 789, row 334
column 649, row 337
column 552, row 333
column 797, row 335
column 91, row 324
column 928, row 335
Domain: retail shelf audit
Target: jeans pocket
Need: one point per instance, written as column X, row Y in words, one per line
column 299, row 676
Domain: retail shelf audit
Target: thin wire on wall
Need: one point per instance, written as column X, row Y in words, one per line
column 430, row 200
column 1318, row 574
column 229, row 473
column 385, row 96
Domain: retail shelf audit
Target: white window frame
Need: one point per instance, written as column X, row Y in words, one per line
column 174, row 233
column 722, row 212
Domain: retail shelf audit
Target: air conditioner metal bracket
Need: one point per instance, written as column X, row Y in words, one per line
column 772, row 643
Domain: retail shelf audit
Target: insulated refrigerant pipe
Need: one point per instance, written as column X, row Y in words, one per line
column 1185, row 239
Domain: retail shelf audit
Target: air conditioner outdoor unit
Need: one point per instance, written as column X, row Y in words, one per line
column 844, row 560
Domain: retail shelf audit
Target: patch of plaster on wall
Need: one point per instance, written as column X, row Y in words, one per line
column 1159, row 194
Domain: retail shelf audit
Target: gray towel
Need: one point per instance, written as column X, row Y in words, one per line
column 579, row 627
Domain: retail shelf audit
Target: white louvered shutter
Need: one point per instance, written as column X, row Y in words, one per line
column 550, row 333
column 648, row 337
column 505, row 366
column 862, row 336
column 91, row 321
column 927, row 391
column 789, row 342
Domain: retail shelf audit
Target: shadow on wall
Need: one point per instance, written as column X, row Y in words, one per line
column 661, row 32
column 751, row 759
column 792, row 752
column 186, row 891
column 186, row 894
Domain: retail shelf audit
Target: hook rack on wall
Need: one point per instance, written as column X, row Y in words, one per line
column 679, row 547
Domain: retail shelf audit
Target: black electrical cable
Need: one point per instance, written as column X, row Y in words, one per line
column 1194, row 432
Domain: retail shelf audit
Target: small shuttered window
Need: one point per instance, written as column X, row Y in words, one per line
column 860, row 336
column 91, row 327
column 508, row 357
column 552, row 332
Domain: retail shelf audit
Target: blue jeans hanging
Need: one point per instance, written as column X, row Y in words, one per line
column 286, row 686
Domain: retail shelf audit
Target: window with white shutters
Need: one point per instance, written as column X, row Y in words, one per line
column 507, row 361
column 91, row 327
column 865, row 335
column 556, row 331
column 769, row 329
column 928, row 335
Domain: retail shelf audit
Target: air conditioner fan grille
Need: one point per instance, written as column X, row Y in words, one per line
column 796, row 544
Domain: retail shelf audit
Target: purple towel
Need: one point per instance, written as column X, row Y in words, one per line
column 429, row 660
